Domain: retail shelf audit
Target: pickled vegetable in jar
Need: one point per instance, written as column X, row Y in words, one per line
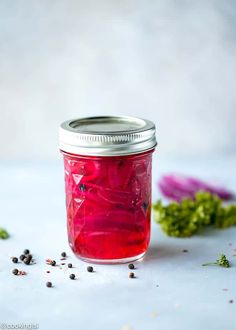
column 108, row 179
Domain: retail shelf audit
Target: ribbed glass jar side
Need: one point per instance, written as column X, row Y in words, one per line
column 108, row 201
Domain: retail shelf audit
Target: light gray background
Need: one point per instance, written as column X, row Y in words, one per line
column 173, row 62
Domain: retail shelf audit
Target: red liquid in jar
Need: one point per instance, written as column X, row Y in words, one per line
column 108, row 202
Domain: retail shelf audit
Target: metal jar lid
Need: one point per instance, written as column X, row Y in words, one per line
column 107, row 136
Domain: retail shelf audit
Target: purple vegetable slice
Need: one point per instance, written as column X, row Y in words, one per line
column 177, row 187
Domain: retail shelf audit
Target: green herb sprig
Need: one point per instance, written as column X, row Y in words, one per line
column 186, row 218
column 222, row 262
column 3, row 234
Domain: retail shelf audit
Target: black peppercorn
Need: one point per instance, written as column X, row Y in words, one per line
column 82, row 187
column 22, row 257
column 90, row 269
column 63, row 254
column 15, row 271
column 131, row 275
column 28, row 259
column 69, row 265
column 26, row 251
column 49, row 284
column 15, row 260
column 131, row 266
column 72, row 276
column 53, row 263
column 145, row 206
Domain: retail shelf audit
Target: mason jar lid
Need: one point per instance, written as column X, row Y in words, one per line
column 107, row 136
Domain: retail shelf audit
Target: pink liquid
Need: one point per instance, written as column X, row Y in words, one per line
column 108, row 202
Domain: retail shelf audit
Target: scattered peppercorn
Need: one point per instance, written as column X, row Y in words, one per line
column 53, row 263
column 22, row 257
column 49, row 284
column 69, row 265
column 185, row 250
column 131, row 275
column 28, row 259
column 72, row 276
column 21, row 272
column 131, row 266
column 231, row 301
column 15, row 271
column 90, row 269
column 26, row 251
column 48, row 271
column 63, row 254
column 15, row 260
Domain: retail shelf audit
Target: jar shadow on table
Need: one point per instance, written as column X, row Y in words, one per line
column 205, row 239
column 160, row 251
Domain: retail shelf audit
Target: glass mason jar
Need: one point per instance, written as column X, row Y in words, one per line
column 108, row 177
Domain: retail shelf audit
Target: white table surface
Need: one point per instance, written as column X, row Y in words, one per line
column 172, row 290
